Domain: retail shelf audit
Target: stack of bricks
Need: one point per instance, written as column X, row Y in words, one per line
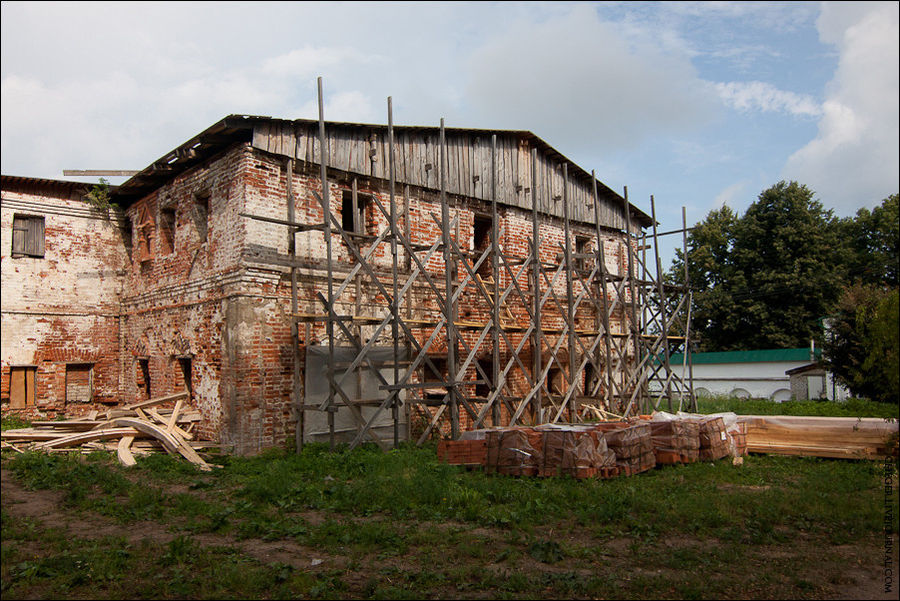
column 580, row 452
column 713, row 439
column 463, row 452
column 603, row 450
column 738, row 435
column 513, row 452
column 675, row 441
column 632, row 445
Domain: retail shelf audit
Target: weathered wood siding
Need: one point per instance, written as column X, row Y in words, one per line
column 364, row 150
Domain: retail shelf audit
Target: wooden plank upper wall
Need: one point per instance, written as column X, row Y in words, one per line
column 468, row 155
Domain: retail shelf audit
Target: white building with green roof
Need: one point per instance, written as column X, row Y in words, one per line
column 761, row 374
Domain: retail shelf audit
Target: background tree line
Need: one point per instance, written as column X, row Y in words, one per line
column 788, row 271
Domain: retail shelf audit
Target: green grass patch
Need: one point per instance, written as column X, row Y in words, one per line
column 848, row 408
column 402, row 525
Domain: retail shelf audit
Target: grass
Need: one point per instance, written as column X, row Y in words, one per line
column 848, row 408
column 402, row 525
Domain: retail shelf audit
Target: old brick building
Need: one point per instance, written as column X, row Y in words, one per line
column 190, row 285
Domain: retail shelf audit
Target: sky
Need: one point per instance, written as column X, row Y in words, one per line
column 699, row 104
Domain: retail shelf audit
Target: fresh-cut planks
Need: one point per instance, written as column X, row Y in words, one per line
column 837, row 437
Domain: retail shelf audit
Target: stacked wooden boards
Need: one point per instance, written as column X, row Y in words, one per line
column 139, row 428
column 837, row 437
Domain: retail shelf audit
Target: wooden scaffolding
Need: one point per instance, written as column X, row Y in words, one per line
column 551, row 319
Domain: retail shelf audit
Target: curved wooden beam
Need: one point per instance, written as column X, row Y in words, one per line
column 171, row 442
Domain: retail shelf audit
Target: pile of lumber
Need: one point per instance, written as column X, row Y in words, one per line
column 139, row 429
column 675, row 441
column 837, row 437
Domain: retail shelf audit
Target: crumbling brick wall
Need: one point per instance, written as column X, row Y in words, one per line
column 200, row 299
column 60, row 311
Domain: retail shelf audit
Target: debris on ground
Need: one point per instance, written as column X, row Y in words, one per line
column 137, row 429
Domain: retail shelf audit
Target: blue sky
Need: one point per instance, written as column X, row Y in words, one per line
column 697, row 103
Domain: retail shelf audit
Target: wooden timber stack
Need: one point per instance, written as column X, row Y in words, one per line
column 139, row 429
column 836, row 437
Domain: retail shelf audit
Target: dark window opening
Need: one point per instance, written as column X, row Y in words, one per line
column 483, row 388
column 184, row 365
column 434, row 390
column 591, row 381
column 482, row 229
column 166, row 231
column 143, row 377
column 556, row 381
column 353, row 211
column 201, row 216
column 28, row 236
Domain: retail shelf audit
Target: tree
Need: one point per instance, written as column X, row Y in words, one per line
column 862, row 348
column 765, row 279
column 874, row 237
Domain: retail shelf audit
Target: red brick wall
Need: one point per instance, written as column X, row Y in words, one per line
column 63, row 307
column 221, row 303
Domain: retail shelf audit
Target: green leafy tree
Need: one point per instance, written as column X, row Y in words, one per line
column 874, row 238
column 862, row 348
column 765, row 279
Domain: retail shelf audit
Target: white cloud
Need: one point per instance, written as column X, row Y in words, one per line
column 758, row 95
column 853, row 161
column 581, row 80
column 732, row 195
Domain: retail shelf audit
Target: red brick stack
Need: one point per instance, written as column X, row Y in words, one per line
column 463, row 452
column 631, row 444
column 513, row 452
column 738, row 434
column 713, row 439
column 675, row 441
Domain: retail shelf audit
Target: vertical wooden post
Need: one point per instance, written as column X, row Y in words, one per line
column 537, row 401
column 295, row 335
column 601, row 258
column 449, row 281
column 690, row 302
column 326, row 207
column 395, row 308
column 570, row 299
column 661, row 288
column 632, row 284
column 495, row 272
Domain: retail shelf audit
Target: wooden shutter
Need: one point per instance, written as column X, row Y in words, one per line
column 28, row 236
column 21, row 387
column 35, row 241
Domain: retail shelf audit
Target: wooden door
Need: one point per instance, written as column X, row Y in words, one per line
column 21, row 387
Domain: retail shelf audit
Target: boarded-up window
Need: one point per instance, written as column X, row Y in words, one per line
column 79, row 382
column 166, row 231
column 21, row 386
column 144, row 235
column 28, row 236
